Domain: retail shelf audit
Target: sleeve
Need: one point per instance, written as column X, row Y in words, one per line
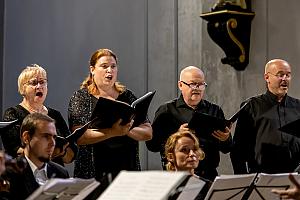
column 162, row 127
column 242, row 154
column 11, row 136
column 79, row 108
column 224, row 146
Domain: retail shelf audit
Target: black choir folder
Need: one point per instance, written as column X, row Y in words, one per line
column 64, row 189
column 249, row 186
column 154, row 185
column 73, row 137
column 292, row 128
column 108, row 111
column 205, row 124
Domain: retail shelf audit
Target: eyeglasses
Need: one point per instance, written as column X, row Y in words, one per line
column 35, row 82
column 200, row 86
column 281, row 75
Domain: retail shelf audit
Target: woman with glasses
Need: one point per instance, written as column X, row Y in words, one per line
column 32, row 85
column 183, row 153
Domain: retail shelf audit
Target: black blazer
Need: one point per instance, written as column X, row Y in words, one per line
column 24, row 184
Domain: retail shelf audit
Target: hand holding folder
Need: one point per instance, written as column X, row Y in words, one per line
column 108, row 111
column 73, row 137
column 205, row 124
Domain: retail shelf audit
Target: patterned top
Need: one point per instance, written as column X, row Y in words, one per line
column 109, row 156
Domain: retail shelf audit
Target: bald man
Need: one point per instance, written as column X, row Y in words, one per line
column 175, row 115
column 258, row 144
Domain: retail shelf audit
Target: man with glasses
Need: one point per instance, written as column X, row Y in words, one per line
column 175, row 115
column 259, row 145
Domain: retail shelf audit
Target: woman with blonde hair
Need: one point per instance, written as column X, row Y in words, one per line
column 183, row 153
column 33, row 87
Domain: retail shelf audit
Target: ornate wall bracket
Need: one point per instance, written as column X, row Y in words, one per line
column 229, row 25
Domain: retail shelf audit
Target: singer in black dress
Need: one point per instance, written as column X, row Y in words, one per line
column 104, row 151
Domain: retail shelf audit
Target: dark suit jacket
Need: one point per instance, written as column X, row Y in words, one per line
column 22, row 185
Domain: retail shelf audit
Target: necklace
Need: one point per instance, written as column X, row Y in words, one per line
column 42, row 110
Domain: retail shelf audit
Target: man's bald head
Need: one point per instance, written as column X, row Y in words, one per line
column 274, row 63
column 188, row 70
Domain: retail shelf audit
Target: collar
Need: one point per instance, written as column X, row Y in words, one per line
column 33, row 167
column 181, row 103
column 273, row 98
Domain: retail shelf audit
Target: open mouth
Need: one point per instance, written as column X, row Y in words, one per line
column 39, row 94
column 196, row 93
column 109, row 77
column 284, row 85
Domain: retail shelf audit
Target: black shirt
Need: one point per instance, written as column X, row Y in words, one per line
column 171, row 115
column 258, row 144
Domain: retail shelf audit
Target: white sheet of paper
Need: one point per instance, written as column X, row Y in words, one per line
column 230, row 187
column 65, row 189
column 143, row 185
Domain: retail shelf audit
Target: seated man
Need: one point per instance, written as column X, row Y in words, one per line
column 38, row 135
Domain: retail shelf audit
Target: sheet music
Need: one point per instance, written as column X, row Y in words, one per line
column 64, row 189
column 229, row 187
column 143, row 185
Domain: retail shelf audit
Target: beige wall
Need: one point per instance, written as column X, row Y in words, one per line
column 274, row 34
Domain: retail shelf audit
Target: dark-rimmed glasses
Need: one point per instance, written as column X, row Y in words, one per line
column 194, row 86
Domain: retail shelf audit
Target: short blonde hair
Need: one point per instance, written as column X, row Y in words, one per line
column 89, row 83
column 171, row 144
column 28, row 73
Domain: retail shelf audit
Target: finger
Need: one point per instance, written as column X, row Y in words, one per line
column 185, row 125
column 216, row 135
column 227, row 129
column 279, row 192
column 119, row 121
column 294, row 181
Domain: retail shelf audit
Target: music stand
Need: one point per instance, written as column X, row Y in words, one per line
column 258, row 188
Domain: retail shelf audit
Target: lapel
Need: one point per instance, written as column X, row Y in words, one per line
column 30, row 184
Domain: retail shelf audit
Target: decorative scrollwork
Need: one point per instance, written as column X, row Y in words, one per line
column 232, row 23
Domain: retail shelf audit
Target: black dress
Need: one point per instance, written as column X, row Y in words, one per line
column 11, row 137
column 109, row 156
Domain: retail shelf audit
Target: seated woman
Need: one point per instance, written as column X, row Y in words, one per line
column 32, row 85
column 183, row 153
